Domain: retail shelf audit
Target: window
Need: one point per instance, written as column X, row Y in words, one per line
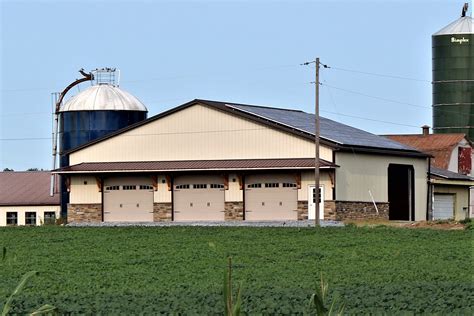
column 30, row 218
column 271, row 185
column 182, row 186
column 146, row 187
column 200, row 186
column 129, row 187
column 314, row 195
column 289, row 185
column 12, row 218
column 112, row 188
column 217, row 186
column 254, row 185
column 49, row 218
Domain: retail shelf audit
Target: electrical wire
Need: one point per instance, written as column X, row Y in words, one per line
column 380, row 75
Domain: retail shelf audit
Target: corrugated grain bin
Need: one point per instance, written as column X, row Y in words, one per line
column 453, row 78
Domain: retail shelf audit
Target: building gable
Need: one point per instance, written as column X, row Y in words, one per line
column 199, row 132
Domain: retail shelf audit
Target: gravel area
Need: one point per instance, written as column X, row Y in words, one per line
column 308, row 223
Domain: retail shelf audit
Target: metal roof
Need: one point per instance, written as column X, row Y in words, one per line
column 103, row 97
column 442, row 173
column 188, row 165
column 462, row 25
column 330, row 130
column 440, row 146
column 297, row 122
column 27, row 188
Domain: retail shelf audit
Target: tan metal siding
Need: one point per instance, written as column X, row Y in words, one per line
column 234, row 193
column 162, row 195
column 84, row 190
column 199, row 133
column 307, row 179
column 21, row 210
column 359, row 173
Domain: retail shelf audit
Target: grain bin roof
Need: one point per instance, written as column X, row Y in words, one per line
column 103, row 97
column 460, row 26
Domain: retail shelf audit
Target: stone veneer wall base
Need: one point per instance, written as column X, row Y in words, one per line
column 361, row 210
column 84, row 213
column 162, row 212
column 234, row 211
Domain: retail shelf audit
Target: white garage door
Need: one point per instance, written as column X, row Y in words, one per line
column 128, row 199
column 198, row 198
column 271, row 197
column 443, row 206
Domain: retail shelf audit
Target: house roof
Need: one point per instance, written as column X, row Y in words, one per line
column 446, row 174
column 297, row 122
column 27, row 188
column 190, row 165
column 440, row 146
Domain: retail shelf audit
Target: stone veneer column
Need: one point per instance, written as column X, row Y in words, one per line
column 83, row 213
column 162, row 212
column 361, row 210
column 302, row 210
column 234, row 211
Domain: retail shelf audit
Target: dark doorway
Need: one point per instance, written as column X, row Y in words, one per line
column 400, row 192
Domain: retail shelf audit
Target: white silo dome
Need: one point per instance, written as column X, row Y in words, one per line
column 103, row 97
column 463, row 25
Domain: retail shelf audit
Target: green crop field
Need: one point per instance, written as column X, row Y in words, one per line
column 180, row 270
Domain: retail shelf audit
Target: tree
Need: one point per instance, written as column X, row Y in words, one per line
column 7, row 169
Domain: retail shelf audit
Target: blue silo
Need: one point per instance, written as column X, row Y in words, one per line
column 93, row 113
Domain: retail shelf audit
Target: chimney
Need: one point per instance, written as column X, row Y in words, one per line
column 426, row 130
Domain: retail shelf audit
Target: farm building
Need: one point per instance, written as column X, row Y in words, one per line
column 450, row 173
column 25, row 199
column 216, row 161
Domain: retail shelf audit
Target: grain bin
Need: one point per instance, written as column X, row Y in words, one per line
column 453, row 77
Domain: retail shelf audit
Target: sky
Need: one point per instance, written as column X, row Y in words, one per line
column 171, row 52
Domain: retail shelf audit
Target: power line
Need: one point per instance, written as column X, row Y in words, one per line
column 370, row 119
column 380, row 75
column 375, row 97
column 391, row 100
column 214, row 131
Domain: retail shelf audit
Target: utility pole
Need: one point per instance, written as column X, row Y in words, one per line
column 316, row 144
column 316, row 141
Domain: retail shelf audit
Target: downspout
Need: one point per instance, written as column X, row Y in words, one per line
column 429, row 213
column 87, row 77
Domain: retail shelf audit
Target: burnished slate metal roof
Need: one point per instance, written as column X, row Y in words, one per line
column 299, row 123
column 330, row 130
column 189, row 165
column 440, row 146
column 27, row 188
column 446, row 174
column 103, row 97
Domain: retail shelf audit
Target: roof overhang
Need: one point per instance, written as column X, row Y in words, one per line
column 452, row 182
column 194, row 165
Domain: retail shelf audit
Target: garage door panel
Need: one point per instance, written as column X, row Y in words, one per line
column 128, row 199
column 199, row 198
column 270, row 197
column 443, row 206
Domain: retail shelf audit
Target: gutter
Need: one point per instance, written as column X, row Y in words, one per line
column 429, row 210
